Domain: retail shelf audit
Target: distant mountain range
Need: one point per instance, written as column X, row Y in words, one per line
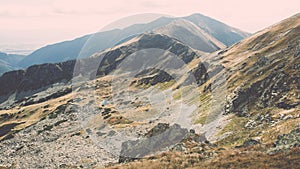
column 208, row 35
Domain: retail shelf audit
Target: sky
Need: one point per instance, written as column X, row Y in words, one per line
column 31, row 24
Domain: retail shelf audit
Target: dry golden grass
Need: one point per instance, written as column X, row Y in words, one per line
column 232, row 158
column 29, row 115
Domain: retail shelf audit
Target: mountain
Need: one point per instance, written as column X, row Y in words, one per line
column 9, row 62
column 88, row 45
column 224, row 33
column 55, row 53
column 249, row 107
column 192, row 35
column 39, row 84
column 259, row 115
column 5, row 67
column 12, row 59
column 155, row 102
column 41, row 76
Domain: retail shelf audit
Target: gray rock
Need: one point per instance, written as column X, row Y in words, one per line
column 250, row 142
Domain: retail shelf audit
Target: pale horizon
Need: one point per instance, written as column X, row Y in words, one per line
column 29, row 25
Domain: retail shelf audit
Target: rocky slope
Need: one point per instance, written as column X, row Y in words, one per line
column 39, row 102
column 261, row 104
column 159, row 102
column 23, row 83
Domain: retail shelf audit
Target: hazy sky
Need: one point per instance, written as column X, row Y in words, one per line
column 29, row 24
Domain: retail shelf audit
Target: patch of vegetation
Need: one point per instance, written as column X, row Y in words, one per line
column 181, row 92
column 166, row 85
column 204, row 108
column 177, row 95
column 235, row 159
column 200, row 120
column 270, row 134
column 239, row 133
column 118, row 120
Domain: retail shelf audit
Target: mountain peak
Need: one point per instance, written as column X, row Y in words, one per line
column 190, row 34
column 88, row 45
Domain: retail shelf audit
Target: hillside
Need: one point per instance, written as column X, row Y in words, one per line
column 190, row 34
column 5, row 67
column 43, row 100
column 260, row 110
column 222, row 32
column 9, row 62
column 153, row 101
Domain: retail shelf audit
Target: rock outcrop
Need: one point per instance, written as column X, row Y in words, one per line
column 152, row 77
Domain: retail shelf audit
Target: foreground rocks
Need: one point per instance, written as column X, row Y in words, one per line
column 286, row 142
column 159, row 138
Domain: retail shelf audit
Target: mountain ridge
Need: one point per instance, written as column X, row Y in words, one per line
column 33, row 78
column 98, row 41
